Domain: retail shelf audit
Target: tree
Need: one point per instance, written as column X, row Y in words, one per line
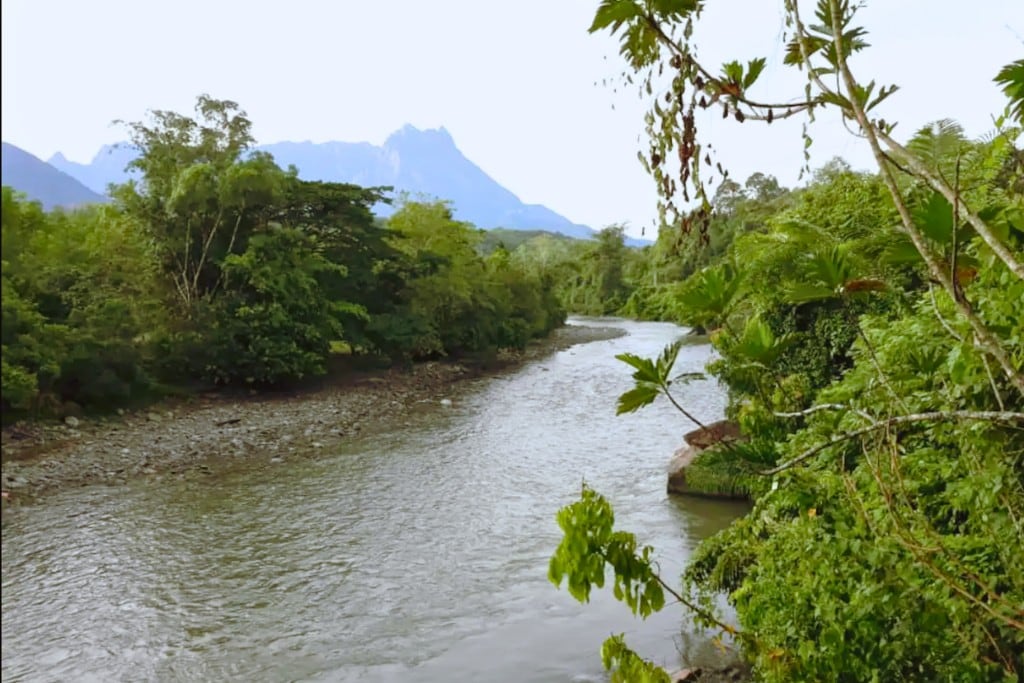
column 275, row 322
column 339, row 218
column 81, row 301
column 657, row 36
column 877, row 546
column 199, row 193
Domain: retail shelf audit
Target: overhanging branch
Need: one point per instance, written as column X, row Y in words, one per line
column 952, row 415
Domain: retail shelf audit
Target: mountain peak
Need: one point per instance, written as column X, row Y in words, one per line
column 423, row 163
column 411, row 135
column 42, row 182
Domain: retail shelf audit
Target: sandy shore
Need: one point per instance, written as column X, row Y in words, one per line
column 176, row 438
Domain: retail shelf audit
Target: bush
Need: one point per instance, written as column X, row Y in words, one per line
column 273, row 323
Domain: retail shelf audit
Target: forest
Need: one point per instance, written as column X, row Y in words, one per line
column 869, row 330
column 218, row 268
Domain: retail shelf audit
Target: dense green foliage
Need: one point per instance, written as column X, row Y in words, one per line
column 869, row 330
column 214, row 265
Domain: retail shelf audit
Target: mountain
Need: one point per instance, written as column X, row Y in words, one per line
column 108, row 166
column 420, row 162
column 424, row 162
column 42, row 182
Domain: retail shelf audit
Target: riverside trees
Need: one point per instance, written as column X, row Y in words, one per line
column 877, row 371
column 215, row 265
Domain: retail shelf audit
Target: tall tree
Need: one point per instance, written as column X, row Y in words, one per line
column 199, row 192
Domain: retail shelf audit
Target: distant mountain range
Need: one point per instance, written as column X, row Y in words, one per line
column 423, row 163
column 41, row 181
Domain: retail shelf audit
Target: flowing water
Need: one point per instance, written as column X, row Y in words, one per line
column 415, row 552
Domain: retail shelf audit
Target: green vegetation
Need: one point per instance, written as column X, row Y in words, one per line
column 869, row 329
column 217, row 266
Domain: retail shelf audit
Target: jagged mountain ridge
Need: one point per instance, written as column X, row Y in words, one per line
column 42, row 182
column 421, row 162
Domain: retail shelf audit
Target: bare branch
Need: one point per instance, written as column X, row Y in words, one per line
column 792, row 108
column 980, row 415
column 827, row 406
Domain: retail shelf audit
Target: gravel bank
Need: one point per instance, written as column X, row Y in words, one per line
column 191, row 437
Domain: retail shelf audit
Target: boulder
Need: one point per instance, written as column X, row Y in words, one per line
column 709, row 435
column 681, row 459
column 696, row 442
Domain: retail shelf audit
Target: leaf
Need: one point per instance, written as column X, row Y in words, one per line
column 803, row 292
column 732, row 72
column 614, row 13
column 934, row 217
column 1011, row 77
column 794, row 55
column 883, row 94
column 637, row 398
column 754, row 69
column 645, row 370
column 666, row 360
column 901, row 251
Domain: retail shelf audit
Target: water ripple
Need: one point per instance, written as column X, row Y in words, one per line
column 421, row 551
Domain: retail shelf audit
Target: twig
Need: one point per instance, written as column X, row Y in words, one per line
column 827, row 406
column 731, row 630
column 942, row 321
column 992, row 381
column 791, row 108
column 982, row 415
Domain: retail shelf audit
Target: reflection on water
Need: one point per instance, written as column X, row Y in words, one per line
column 420, row 551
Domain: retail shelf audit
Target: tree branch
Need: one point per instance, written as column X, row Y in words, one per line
column 791, row 108
column 986, row 339
column 826, row 406
column 952, row 196
column 981, row 415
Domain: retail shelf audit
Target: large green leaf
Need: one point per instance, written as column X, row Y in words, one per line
column 709, row 295
column 636, row 398
column 614, row 13
column 1011, row 77
column 666, row 360
column 645, row 369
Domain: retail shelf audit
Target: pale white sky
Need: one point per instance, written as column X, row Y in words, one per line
column 516, row 83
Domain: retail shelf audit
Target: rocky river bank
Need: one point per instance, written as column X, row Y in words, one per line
column 192, row 437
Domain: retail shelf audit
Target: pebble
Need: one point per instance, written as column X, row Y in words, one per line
column 175, row 441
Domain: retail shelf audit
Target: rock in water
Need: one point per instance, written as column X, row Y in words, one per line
column 696, row 442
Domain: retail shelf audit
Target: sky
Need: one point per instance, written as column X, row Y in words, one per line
column 517, row 84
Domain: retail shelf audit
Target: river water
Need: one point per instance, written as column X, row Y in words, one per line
column 416, row 551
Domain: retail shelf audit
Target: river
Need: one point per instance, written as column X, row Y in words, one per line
column 415, row 551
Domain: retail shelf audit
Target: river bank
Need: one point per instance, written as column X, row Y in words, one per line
column 181, row 438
